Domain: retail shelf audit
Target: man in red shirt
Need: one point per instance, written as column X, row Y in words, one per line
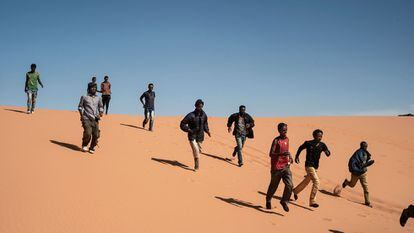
column 280, row 160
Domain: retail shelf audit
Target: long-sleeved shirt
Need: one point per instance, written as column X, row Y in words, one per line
column 195, row 124
column 313, row 152
column 90, row 106
column 359, row 162
column 246, row 120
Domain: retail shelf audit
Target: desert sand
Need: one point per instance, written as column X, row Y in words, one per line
column 141, row 181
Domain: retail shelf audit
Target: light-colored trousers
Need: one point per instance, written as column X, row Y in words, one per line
column 196, row 147
column 363, row 180
column 311, row 175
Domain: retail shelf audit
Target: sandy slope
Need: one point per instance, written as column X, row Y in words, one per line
column 140, row 181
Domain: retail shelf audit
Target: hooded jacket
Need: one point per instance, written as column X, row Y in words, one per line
column 359, row 162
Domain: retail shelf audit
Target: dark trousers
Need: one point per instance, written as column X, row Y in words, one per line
column 286, row 175
column 90, row 130
column 105, row 101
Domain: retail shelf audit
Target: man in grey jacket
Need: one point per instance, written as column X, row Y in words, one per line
column 90, row 110
column 357, row 165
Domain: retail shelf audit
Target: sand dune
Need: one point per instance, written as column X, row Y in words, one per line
column 140, row 181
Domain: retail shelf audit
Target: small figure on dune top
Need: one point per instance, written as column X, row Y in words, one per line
column 92, row 83
column 243, row 128
column 149, row 106
column 106, row 93
column 195, row 124
column 31, row 88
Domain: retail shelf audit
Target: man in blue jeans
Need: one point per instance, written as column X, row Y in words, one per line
column 149, row 97
column 243, row 128
column 31, row 88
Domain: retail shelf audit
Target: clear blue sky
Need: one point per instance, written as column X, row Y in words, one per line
column 279, row 58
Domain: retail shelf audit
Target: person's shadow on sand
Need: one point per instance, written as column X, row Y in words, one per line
column 335, row 231
column 326, row 192
column 132, row 126
column 15, row 110
column 240, row 203
column 172, row 163
column 66, row 145
column 293, row 203
column 227, row 160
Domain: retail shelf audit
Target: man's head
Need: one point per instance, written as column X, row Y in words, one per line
column 199, row 104
column 242, row 109
column 363, row 145
column 282, row 128
column 33, row 67
column 317, row 135
column 92, row 89
column 93, row 79
column 150, row 87
column 106, row 78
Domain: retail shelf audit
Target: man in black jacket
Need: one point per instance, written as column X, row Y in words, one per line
column 195, row 124
column 357, row 165
column 243, row 128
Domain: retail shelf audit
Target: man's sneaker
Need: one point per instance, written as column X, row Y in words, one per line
column 240, row 164
column 84, row 149
column 344, row 183
column 295, row 196
column 285, row 206
column 368, row 204
column 314, row 205
column 91, row 150
column 33, row 111
column 268, row 205
column 28, row 112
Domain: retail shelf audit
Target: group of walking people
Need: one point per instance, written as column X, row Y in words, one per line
column 91, row 109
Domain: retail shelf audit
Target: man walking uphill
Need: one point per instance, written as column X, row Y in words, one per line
column 149, row 108
column 243, row 128
column 91, row 110
column 280, row 160
column 30, row 87
column 314, row 148
column 357, row 165
column 195, row 124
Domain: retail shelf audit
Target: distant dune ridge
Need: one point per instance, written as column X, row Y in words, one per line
column 141, row 181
